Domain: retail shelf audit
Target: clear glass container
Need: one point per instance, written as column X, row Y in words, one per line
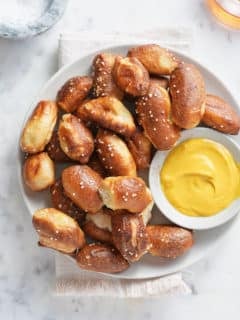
column 226, row 11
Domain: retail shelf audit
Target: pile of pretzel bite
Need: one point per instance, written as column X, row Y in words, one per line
column 105, row 128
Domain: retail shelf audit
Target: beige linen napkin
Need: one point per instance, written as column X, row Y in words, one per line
column 71, row 280
column 74, row 45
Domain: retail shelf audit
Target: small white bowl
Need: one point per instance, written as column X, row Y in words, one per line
column 197, row 223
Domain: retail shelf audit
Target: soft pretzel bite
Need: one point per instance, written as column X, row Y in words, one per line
column 96, row 233
column 114, row 154
column 141, row 149
column 187, row 90
column 102, row 219
column 109, row 113
column 54, row 150
column 129, row 193
column 75, row 138
column 98, row 226
column 57, row 230
column 146, row 214
column 95, row 164
column 162, row 81
column 129, row 236
column 73, row 92
column 220, row 115
column 61, row 202
column 156, row 60
column 81, row 185
column 169, row 241
column 101, row 258
column 103, row 83
column 89, row 124
column 39, row 127
column 154, row 115
column 38, row 171
column 131, row 76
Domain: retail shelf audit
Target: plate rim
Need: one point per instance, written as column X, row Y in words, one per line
column 60, row 72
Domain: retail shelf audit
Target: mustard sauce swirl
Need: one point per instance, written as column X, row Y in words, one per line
column 200, row 177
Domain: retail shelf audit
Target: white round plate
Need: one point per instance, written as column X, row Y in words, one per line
column 148, row 266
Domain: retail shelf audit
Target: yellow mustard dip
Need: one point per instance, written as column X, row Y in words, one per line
column 200, row 177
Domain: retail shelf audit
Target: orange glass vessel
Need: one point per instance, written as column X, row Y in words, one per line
column 226, row 11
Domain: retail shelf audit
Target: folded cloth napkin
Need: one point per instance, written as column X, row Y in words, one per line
column 71, row 280
column 74, row 45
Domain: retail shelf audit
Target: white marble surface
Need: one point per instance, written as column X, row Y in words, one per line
column 26, row 271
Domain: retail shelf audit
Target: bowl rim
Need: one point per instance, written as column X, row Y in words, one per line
column 166, row 208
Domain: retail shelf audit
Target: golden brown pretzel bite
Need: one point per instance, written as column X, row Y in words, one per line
column 101, row 258
column 169, row 241
column 73, row 92
column 98, row 226
column 187, row 90
column 109, row 113
column 131, row 76
column 75, row 138
column 95, row 164
column 114, row 154
column 96, row 233
column 54, row 150
column 129, row 236
column 61, row 202
column 220, row 115
column 156, row 60
column 141, row 149
column 162, row 81
column 57, row 230
column 154, row 115
column 103, row 83
column 38, row 171
column 81, row 185
column 146, row 214
column 39, row 127
column 129, row 193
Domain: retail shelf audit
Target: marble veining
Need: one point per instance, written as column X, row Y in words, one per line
column 27, row 271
